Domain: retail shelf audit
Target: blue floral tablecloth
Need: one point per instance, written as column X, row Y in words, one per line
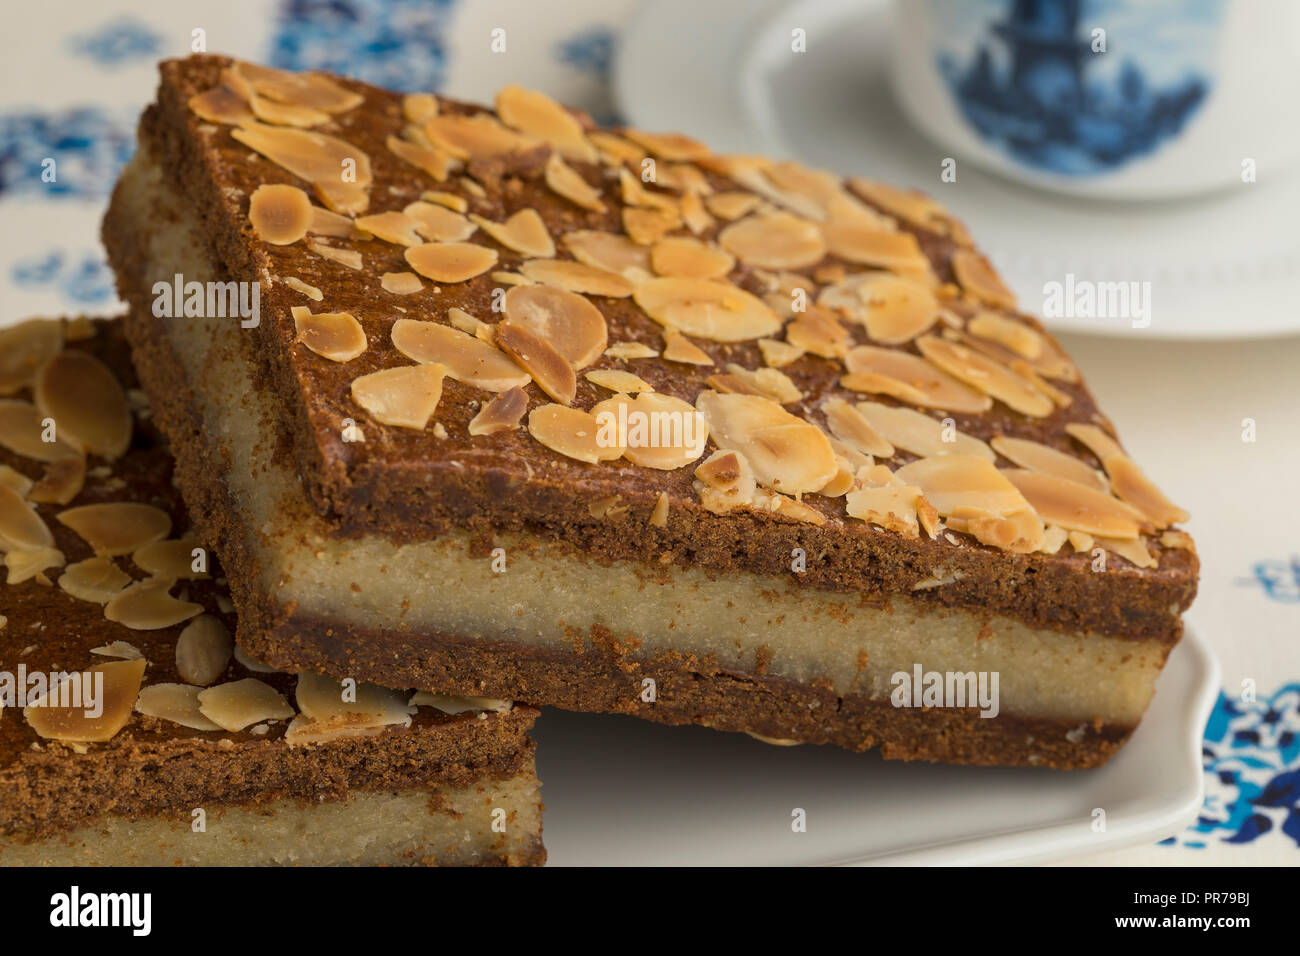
column 76, row 75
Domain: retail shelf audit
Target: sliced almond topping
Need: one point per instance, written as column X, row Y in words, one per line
column 436, row 162
column 730, row 384
column 449, row 200
column 1080, row 541
column 400, row 283
column 688, row 258
column 549, row 368
column 1016, row 336
column 1178, row 539
column 786, row 452
column 1074, row 506
column 24, row 564
column 1049, row 461
column 395, row 227
column 896, row 251
column 326, row 223
column 24, row 349
column 1054, row 537
column 608, row 250
column 893, row 308
column 280, row 214
column 1133, row 550
column 326, row 715
column 1129, row 483
column 203, row 650
column 1096, row 441
column 419, row 107
column 502, row 413
column 615, row 150
column 147, row 606
column 778, row 354
column 853, row 428
column 221, row 105
column 671, row 146
column 466, row 358
column 122, row 650
column 694, row 214
column 787, row 507
column 475, row 137
column 451, row 261
column 344, row 257
column 978, row 278
column 775, row 384
column 15, row 481
column 820, row 186
column 725, row 481
column 963, row 483
column 630, row 350
column 816, row 330
column 732, row 205
column 122, row 681
column 1021, row 532
column 566, row 182
column 659, row 515
column 117, row 527
column 707, row 308
column 97, row 580
column 617, row 380
column 173, row 559
column 307, row 90
column 892, row 507
column 234, row 705
column 438, row 223
column 920, row 434
column 322, row 160
column 1052, row 362
column 635, row 194
column 577, row 277
column 336, row 336
column 843, row 482
column 523, row 232
column 657, row 431
column 62, row 481
column 981, row 372
column 678, row 348
column 565, row 320
column 910, row 379
column 574, row 433
column 310, row 291
column 466, row 322
column 648, row 226
column 538, row 115
column 908, row 204
column 178, row 703
column 86, row 402
column 404, row 397
column 776, row 241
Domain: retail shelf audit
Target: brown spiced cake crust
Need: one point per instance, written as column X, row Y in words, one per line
column 415, row 483
column 67, row 605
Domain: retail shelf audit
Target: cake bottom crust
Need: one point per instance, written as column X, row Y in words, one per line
column 491, row 823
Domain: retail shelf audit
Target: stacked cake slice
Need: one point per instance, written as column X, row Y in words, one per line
column 134, row 731
column 494, row 402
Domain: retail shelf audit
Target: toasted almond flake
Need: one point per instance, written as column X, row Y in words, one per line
column 1026, row 371
column 615, row 151
column 1132, row 550
column 24, row 349
column 816, row 330
column 688, row 258
column 221, row 105
column 1129, row 482
column 438, row 223
column 86, row 402
column 730, row 384
column 563, row 319
column 778, row 354
column 844, row 480
column 337, row 336
column 476, row 137
column 671, row 146
column 1021, row 532
column 62, row 481
column 678, row 348
column 465, row 322
column 369, row 706
column 97, row 580
column 178, row 703
column 344, row 257
column 549, row 368
column 914, row 379
column 1049, row 461
column 524, row 232
column 659, row 514
column 502, row 413
column 117, row 527
column 892, row 508
column 963, row 483
column 1080, row 541
column 775, row 384
column 121, row 650
column 617, row 380
column 657, row 431
column 538, row 115
column 752, row 172
column 147, row 606
column 1053, row 539
column 451, row 261
column 234, row 705
column 573, row 433
column 327, row 223
column 459, row 704
column 173, row 559
column 977, row 277
column 606, row 506
column 405, row 397
column 1074, row 506
column 121, row 684
column 897, row 251
column 850, row 426
column 908, row 204
column 694, row 214
column 310, row 291
column 419, row 107
column 317, row 158
column 707, row 308
column 436, row 162
column 648, row 226
column 630, row 350
column 608, row 250
column 732, row 205
column 280, row 214
column 25, row 563
column 249, row 663
column 920, row 434
column 15, row 481
column 449, row 200
column 577, row 277
column 400, row 283
column 1178, row 539
column 1052, row 363
column 819, row 186
column 725, row 481
column 786, row 453
column 21, row 528
column 787, row 507
column 395, row 227
column 566, row 182
column 308, row 90
column 511, row 278
column 981, row 372
column 775, row 241
column 203, row 650
column 466, row 358
column 1095, row 440
column 635, row 194
column 894, row 309
column 473, row 188
column 1016, row 336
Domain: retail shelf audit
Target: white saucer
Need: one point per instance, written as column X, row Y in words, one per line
column 622, row 792
column 1220, row 267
